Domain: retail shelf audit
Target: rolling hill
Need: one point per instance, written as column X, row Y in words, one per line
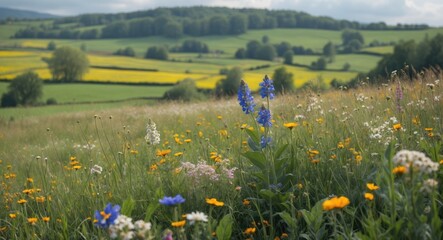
column 23, row 14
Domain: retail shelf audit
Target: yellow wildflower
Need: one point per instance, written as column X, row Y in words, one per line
column 369, row 196
column 249, row 231
column 397, row 126
column 178, row 223
column 290, row 125
column 32, row 221
column 213, row 201
column 372, row 186
column 335, row 202
column 399, row 170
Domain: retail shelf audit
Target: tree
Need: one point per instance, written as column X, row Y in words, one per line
column 348, row 35
column 237, row 24
column 353, row 46
column 329, row 51
column 51, row 46
column 26, row 88
column 160, row 53
column 320, row 64
column 185, row 90
column 229, row 85
column 265, row 39
column 240, row 53
column 218, row 25
column 266, row 52
column 68, row 64
column 173, row 30
column 252, row 48
column 283, row 80
column 8, row 100
column 288, row 56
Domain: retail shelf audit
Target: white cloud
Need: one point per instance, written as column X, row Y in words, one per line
column 390, row 11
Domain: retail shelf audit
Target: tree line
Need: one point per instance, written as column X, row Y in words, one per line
column 191, row 21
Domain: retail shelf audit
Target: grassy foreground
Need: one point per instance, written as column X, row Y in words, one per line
column 324, row 169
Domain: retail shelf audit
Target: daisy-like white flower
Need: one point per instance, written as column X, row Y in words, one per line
column 96, row 169
column 196, row 217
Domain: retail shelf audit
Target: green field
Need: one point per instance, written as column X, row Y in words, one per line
column 80, row 93
column 59, row 110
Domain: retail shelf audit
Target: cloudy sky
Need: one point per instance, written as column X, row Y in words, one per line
column 389, row 11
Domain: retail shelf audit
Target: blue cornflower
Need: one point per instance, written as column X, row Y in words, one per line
column 267, row 88
column 171, row 201
column 245, row 98
column 264, row 117
column 264, row 141
column 107, row 217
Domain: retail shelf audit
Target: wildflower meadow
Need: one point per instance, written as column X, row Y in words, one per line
column 358, row 163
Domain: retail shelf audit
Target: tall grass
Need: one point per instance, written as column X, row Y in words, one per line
column 340, row 142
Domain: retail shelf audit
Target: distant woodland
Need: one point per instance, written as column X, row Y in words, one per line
column 192, row 21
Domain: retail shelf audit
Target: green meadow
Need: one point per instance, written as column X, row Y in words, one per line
column 357, row 164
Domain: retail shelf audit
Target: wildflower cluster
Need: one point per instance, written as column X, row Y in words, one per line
column 124, row 228
column 418, row 161
column 202, row 171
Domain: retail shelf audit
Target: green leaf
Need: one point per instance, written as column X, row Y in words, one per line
column 128, row 206
column 257, row 158
column 292, row 222
column 150, row 210
column 266, row 194
column 224, row 228
column 253, row 135
column 253, row 145
column 389, row 153
column 279, row 152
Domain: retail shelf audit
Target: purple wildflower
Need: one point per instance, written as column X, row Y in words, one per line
column 264, row 117
column 265, row 141
column 245, row 98
column 171, row 201
column 267, row 88
column 108, row 216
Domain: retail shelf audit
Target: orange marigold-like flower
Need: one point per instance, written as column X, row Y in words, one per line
column 399, row 170
column 162, row 153
column 335, row 202
column 290, row 125
column 32, row 220
column 178, row 223
column 372, row 186
column 369, row 196
column 249, row 231
column 397, row 126
column 213, row 201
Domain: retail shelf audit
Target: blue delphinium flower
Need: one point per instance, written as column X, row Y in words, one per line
column 171, row 201
column 264, row 141
column 267, row 88
column 108, row 216
column 245, row 98
column 264, row 117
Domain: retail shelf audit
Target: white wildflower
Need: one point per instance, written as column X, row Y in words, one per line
column 196, row 217
column 417, row 160
column 152, row 135
column 429, row 185
column 96, row 169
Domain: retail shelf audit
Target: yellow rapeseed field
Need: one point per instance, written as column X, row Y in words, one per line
column 35, row 43
column 300, row 76
column 108, row 75
column 7, row 54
